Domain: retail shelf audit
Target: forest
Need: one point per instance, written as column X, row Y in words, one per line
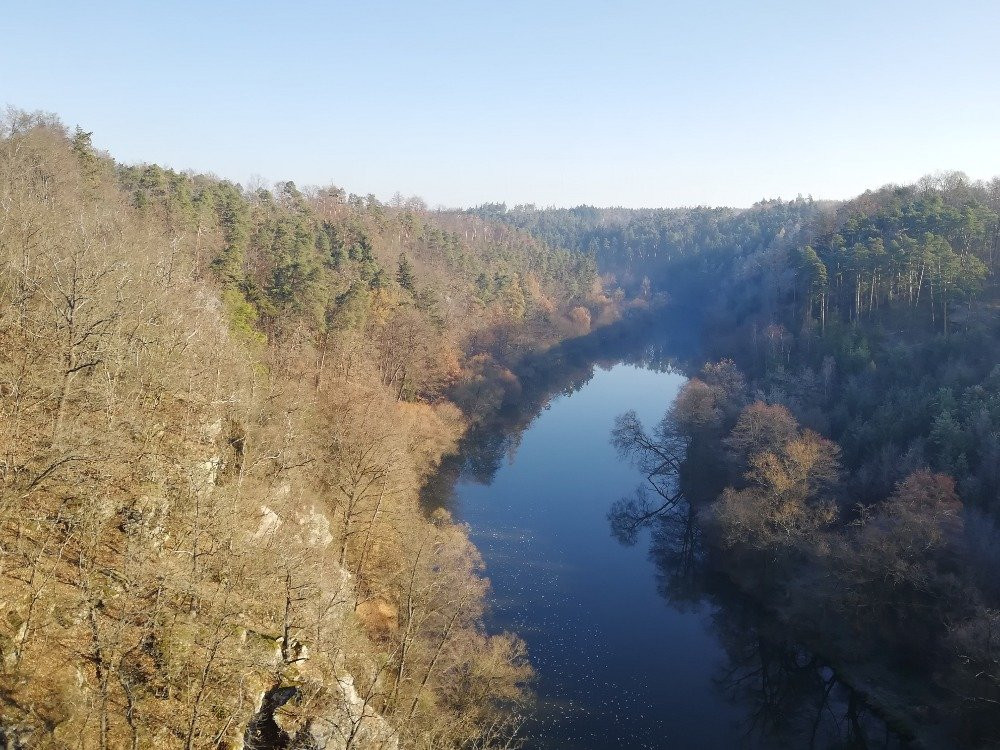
column 224, row 408
column 219, row 405
column 840, row 447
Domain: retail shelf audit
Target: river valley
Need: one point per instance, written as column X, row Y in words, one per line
column 634, row 646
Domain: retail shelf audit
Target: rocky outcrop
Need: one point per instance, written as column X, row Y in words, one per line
column 343, row 719
column 350, row 723
column 263, row 732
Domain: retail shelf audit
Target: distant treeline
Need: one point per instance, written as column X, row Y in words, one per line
column 659, row 246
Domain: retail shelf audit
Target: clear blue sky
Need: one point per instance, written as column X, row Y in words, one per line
column 609, row 103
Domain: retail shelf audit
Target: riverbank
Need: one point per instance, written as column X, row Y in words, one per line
column 537, row 511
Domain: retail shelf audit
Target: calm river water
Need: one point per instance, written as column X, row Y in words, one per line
column 632, row 649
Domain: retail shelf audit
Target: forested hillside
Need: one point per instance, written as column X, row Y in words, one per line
column 880, row 328
column 680, row 250
column 218, row 408
column 844, row 455
column 327, row 261
column 875, row 318
column 867, row 470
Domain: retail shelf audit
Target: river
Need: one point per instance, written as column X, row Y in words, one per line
column 634, row 646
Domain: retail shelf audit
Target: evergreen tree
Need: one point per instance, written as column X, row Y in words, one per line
column 83, row 149
column 404, row 275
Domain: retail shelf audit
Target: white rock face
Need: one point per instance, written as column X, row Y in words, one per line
column 211, row 431
column 205, row 474
column 315, row 528
column 269, row 523
column 349, row 722
column 353, row 721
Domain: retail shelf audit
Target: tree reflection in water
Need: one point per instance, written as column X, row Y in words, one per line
column 788, row 697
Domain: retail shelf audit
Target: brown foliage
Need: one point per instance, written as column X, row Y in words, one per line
column 580, row 319
column 185, row 524
column 760, row 428
column 695, row 411
column 790, row 492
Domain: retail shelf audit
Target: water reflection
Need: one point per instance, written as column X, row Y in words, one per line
column 787, row 696
column 674, row 548
column 665, row 342
column 642, row 646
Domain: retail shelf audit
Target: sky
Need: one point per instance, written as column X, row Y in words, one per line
column 627, row 103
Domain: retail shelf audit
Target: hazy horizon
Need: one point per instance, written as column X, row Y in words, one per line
column 640, row 105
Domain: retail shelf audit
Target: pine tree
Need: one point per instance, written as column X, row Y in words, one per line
column 404, row 275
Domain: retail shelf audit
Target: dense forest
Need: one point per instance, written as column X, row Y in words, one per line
column 842, row 456
column 224, row 408
column 219, row 405
column 677, row 250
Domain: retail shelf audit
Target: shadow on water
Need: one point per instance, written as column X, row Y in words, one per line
column 788, row 697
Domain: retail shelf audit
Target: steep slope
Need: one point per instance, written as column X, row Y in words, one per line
column 218, row 410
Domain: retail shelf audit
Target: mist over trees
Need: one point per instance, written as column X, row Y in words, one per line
column 874, row 320
column 647, row 248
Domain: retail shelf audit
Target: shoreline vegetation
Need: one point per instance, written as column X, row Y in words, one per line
column 840, row 444
column 231, row 418
column 219, row 407
column 765, row 543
